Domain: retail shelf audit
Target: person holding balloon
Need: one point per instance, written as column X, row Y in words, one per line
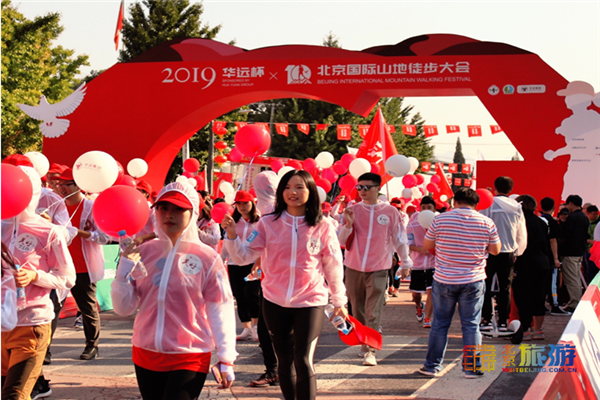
column 88, row 258
column 40, row 250
column 185, row 303
column 299, row 250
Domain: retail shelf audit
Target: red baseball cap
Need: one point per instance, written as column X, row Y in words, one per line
column 141, row 184
column 361, row 334
column 18, row 159
column 325, row 206
column 56, row 168
column 411, row 209
column 243, row 196
column 66, row 175
column 176, row 198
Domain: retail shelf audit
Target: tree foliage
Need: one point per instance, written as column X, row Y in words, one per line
column 153, row 22
column 32, row 66
column 459, row 159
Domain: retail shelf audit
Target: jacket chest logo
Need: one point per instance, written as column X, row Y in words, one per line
column 26, row 242
column 383, row 219
column 314, row 246
column 190, row 264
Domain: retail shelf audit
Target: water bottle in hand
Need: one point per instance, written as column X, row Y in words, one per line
column 339, row 322
column 21, row 298
column 252, row 277
column 139, row 269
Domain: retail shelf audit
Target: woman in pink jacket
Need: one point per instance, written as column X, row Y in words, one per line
column 185, row 303
column 299, row 250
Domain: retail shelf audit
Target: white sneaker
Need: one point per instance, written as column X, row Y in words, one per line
column 245, row 335
column 370, row 359
column 255, row 333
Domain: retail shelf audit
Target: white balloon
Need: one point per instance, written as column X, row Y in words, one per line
column 181, row 179
column 414, row 164
column 226, row 187
column 359, row 166
column 383, row 198
column 407, row 193
column 324, row 159
column 39, row 161
column 137, row 167
column 425, row 218
column 229, row 197
column 284, row 170
column 397, row 165
column 322, row 194
column 95, row 171
column 416, row 193
column 192, row 182
column 443, row 197
column 394, row 187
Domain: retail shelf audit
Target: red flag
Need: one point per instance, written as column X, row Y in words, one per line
column 457, row 181
column 425, row 166
column 466, row 168
column 495, row 129
column 218, row 125
column 304, row 128
column 453, row 168
column 378, row 145
column 409, row 130
column 241, row 124
column 282, row 129
column 263, row 125
column 344, row 132
column 119, row 24
column 391, row 128
column 430, row 130
column 362, row 130
column 443, row 185
column 322, row 127
column 474, row 130
column 467, row 182
column 452, row 128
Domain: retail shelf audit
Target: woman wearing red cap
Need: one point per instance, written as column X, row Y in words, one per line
column 246, row 293
column 185, row 304
column 299, row 249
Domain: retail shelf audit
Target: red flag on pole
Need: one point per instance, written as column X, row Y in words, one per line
column 344, row 132
column 430, row 130
column 495, row 129
column 218, row 125
column 453, row 168
column 282, row 129
column 391, row 128
column 119, row 24
column 304, row 128
column 362, row 130
column 322, row 127
column 474, row 130
column 241, row 124
column 452, row 128
column 263, row 125
column 425, row 166
column 378, row 145
column 410, row 130
column 443, row 185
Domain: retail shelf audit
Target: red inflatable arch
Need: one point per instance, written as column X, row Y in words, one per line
column 150, row 106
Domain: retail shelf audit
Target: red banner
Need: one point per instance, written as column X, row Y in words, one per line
column 457, row 181
column 322, row 127
column 282, row 129
column 474, row 130
column 425, row 166
column 495, row 129
column 391, row 128
column 466, row 168
column 443, row 184
column 362, row 130
column 452, row 128
column 263, row 125
column 467, row 182
column 453, row 168
column 430, row 130
column 218, row 125
column 409, row 130
column 344, row 132
column 241, row 124
column 304, row 128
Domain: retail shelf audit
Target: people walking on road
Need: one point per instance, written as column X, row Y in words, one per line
column 185, row 303
column 299, row 250
column 462, row 239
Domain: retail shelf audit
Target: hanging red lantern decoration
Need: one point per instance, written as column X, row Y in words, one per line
column 221, row 132
column 220, row 159
column 221, row 145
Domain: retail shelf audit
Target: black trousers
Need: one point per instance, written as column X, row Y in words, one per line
column 84, row 293
column 501, row 265
column 264, row 339
column 169, row 385
column 295, row 332
column 529, row 293
column 246, row 293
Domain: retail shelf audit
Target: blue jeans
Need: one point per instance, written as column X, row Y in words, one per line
column 469, row 296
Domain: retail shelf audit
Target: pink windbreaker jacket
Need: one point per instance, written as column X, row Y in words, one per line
column 243, row 229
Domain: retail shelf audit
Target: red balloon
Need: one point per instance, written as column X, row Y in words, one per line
column 420, row 179
column 330, row 175
column 252, row 140
column 325, row 184
column 126, row 180
column 347, row 159
column 191, row 165
column 409, row 181
column 432, row 188
column 221, row 145
column 235, row 155
column 339, row 168
column 348, row 182
column 219, row 211
column 120, row 208
column 187, row 174
column 375, row 168
column 220, row 159
column 295, row 164
column 17, row 191
column 199, row 182
column 309, row 165
column 276, row 165
column 435, row 179
column 486, row 198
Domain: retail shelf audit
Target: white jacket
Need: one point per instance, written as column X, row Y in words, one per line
column 510, row 222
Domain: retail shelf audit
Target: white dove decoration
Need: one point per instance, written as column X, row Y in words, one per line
column 53, row 127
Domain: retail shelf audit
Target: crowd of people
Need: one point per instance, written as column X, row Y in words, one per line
column 279, row 259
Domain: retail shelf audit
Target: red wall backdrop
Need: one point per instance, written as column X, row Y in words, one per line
column 150, row 106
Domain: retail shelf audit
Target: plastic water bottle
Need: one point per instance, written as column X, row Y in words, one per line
column 21, row 298
column 139, row 269
column 339, row 322
column 252, row 277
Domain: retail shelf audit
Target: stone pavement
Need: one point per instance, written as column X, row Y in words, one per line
column 340, row 372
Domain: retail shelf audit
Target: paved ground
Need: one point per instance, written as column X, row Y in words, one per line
column 340, row 372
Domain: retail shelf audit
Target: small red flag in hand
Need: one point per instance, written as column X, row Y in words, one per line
column 119, row 24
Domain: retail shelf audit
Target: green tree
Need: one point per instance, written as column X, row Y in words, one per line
column 153, row 22
column 331, row 41
column 32, row 66
column 458, row 159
